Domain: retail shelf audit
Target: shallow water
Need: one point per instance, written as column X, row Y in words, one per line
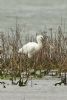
column 44, row 90
column 33, row 15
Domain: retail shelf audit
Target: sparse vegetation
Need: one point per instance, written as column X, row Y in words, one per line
column 52, row 56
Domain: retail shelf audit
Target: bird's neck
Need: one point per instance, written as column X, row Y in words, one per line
column 40, row 44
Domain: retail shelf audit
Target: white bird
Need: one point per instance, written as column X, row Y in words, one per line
column 32, row 47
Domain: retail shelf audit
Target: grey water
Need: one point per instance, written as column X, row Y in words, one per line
column 33, row 15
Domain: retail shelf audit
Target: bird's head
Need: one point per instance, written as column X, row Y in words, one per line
column 40, row 38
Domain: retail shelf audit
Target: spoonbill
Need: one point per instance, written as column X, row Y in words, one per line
column 32, row 47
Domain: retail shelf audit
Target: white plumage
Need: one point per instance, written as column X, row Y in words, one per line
column 32, row 47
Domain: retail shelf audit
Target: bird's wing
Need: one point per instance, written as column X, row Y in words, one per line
column 32, row 47
column 32, row 50
column 29, row 48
